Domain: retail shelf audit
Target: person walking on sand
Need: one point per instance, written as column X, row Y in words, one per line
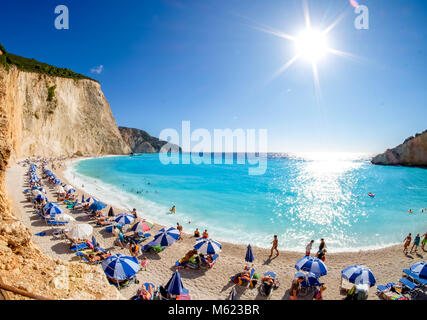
column 274, row 247
column 424, row 241
column 321, row 246
column 179, row 227
column 407, row 243
column 416, row 243
column 308, row 248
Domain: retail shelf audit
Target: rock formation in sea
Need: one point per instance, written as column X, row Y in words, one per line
column 50, row 116
column 412, row 152
column 141, row 142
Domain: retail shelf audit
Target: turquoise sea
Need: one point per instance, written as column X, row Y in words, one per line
column 298, row 199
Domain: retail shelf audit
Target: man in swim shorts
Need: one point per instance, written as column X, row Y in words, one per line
column 424, row 241
column 274, row 247
column 416, row 243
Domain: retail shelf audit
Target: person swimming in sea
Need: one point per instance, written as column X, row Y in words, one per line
column 173, row 209
column 410, row 211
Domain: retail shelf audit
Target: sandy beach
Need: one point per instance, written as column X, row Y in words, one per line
column 386, row 264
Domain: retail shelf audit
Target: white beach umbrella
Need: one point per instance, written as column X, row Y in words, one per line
column 81, row 231
column 60, row 189
column 64, row 217
column 68, row 187
column 36, row 192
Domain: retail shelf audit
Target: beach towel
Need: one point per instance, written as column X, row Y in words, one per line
column 390, row 295
column 41, row 234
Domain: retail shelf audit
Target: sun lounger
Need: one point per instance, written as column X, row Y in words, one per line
column 390, row 292
column 208, row 263
column 56, row 223
column 414, row 277
column 147, row 287
column 409, row 286
column 179, row 265
column 79, row 247
column 98, row 258
column 110, row 228
column 104, row 223
column 149, row 246
column 140, row 238
column 242, row 281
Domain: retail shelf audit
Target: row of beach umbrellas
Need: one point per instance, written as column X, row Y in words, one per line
column 121, row 267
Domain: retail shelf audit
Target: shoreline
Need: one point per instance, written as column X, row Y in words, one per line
column 66, row 172
column 386, row 263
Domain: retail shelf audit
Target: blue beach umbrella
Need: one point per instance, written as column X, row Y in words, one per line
column 312, row 264
column 52, row 211
column 96, row 206
column 50, row 205
column 40, row 197
column 420, row 269
column 124, row 218
column 56, row 181
column 120, row 267
column 249, row 255
column 91, row 199
column 207, row 246
column 165, row 237
column 359, row 274
column 71, row 191
column 174, row 285
column 83, row 198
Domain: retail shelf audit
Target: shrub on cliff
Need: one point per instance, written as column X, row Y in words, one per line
column 50, row 93
column 32, row 65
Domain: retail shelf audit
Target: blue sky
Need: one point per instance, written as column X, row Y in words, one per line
column 165, row 61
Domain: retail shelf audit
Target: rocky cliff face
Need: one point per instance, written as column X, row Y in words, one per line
column 53, row 116
column 412, row 152
column 76, row 120
column 141, row 142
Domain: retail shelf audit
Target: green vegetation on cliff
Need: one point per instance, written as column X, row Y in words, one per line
column 32, row 65
column 50, row 93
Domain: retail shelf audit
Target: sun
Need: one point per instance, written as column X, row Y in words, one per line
column 311, row 45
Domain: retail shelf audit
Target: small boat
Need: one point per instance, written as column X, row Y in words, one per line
column 371, row 195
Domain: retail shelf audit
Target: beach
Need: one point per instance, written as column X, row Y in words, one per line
column 386, row 264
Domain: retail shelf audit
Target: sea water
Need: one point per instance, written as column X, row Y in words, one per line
column 298, row 199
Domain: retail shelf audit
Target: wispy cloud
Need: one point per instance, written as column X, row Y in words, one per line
column 97, row 70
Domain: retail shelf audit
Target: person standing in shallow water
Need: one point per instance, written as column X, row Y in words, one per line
column 274, row 247
column 179, row 227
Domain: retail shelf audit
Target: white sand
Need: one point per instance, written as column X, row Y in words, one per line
column 386, row 264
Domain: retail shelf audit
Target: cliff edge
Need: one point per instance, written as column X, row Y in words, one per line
column 53, row 116
column 141, row 142
column 412, row 152
column 49, row 116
